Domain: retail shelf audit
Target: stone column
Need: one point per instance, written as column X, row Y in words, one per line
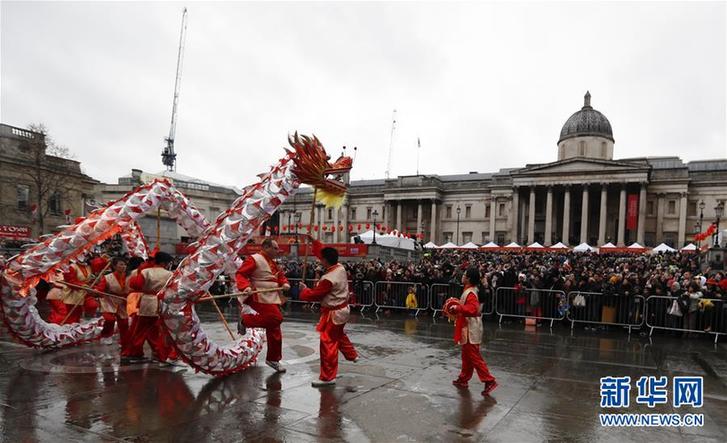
column 602, row 219
column 514, row 217
column 549, row 217
column 335, row 225
column 584, row 215
column 682, row 220
column 531, row 217
column 642, row 215
column 493, row 206
column 345, row 235
column 622, row 216
column 433, row 234
column 420, row 214
column 659, row 218
column 398, row 216
column 566, row 215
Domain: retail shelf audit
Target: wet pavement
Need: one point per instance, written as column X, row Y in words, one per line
column 400, row 390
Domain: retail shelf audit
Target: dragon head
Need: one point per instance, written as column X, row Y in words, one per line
column 313, row 168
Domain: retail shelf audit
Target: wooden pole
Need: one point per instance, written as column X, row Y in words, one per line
column 237, row 294
column 100, row 274
column 159, row 226
column 222, row 317
column 93, row 291
column 312, row 221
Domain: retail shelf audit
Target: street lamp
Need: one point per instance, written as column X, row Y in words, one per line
column 459, row 210
column 701, row 218
column 374, row 214
column 718, row 212
column 297, row 221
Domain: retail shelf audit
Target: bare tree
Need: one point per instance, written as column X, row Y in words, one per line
column 50, row 173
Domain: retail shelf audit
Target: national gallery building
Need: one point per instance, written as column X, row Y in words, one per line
column 584, row 196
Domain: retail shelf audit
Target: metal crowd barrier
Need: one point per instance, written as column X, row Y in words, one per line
column 393, row 294
column 597, row 308
column 440, row 292
column 361, row 293
column 540, row 304
column 704, row 320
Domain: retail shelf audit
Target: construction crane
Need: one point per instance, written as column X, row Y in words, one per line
column 391, row 144
column 169, row 157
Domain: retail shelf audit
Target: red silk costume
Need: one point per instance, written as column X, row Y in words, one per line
column 146, row 324
column 258, row 271
column 332, row 292
column 468, row 333
column 114, row 309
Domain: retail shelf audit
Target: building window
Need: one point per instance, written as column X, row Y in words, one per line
column 468, row 211
column 650, row 207
column 484, row 238
column 603, row 149
column 582, row 148
column 414, row 213
column 449, row 211
column 466, row 237
column 54, row 203
column 671, row 207
column 447, row 236
column 353, row 213
column 487, row 211
column 692, row 209
column 368, row 213
column 501, row 210
column 670, row 238
column 330, row 214
column 500, row 238
column 23, row 196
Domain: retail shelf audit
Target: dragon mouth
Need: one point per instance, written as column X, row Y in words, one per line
column 312, row 167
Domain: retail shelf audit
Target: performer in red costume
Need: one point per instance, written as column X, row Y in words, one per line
column 80, row 274
column 114, row 309
column 332, row 292
column 259, row 271
column 55, row 299
column 146, row 327
column 468, row 332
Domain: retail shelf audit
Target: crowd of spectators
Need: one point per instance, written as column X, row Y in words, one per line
column 614, row 286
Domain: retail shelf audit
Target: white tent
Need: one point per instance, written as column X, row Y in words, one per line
column 559, row 245
column 689, row 247
column 635, row 245
column 536, row 245
column 431, row 245
column 608, row 245
column 469, row 245
column 513, row 245
column 584, row 247
column 490, row 245
column 393, row 241
column 448, row 245
column 662, row 248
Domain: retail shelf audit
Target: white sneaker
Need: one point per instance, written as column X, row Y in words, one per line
column 323, row 383
column 247, row 310
column 276, row 365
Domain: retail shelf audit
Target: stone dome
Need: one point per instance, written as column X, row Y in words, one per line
column 586, row 122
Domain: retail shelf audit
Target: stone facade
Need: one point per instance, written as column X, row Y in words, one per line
column 211, row 199
column 38, row 190
column 582, row 197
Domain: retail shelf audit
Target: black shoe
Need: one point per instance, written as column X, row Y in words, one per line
column 241, row 329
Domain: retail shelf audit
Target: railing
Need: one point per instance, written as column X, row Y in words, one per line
column 360, row 293
column 539, row 304
column 702, row 316
column 394, row 294
column 597, row 308
column 440, row 292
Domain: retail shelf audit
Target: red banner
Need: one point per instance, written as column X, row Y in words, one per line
column 14, row 232
column 632, row 212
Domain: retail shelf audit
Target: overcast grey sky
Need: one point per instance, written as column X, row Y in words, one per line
column 484, row 85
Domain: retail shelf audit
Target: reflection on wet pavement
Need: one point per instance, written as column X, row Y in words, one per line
column 399, row 390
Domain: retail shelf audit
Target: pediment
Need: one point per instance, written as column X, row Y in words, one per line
column 581, row 165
